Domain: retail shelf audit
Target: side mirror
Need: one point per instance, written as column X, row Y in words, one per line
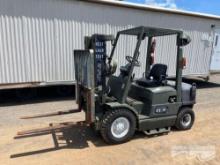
column 185, row 40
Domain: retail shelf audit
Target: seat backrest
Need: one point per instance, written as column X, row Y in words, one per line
column 158, row 72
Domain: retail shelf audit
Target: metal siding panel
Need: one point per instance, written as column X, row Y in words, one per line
column 2, row 68
column 37, row 42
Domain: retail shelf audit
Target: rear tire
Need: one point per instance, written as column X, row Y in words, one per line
column 118, row 126
column 185, row 119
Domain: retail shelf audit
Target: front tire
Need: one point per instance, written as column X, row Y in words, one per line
column 118, row 126
column 185, row 119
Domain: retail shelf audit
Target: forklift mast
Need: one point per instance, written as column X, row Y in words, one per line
column 90, row 66
column 97, row 43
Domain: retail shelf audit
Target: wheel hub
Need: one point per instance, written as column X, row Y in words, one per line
column 186, row 120
column 120, row 127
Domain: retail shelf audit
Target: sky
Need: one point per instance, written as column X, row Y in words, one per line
column 202, row 6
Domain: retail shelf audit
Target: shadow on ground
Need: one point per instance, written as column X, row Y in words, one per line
column 77, row 137
column 201, row 83
column 36, row 95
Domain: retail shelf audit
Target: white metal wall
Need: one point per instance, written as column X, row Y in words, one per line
column 37, row 38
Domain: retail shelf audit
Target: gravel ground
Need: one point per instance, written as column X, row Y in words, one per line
column 200, row 145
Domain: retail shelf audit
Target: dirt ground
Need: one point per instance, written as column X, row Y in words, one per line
column 200, row 145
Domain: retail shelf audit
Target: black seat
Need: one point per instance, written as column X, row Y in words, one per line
column 156, row 77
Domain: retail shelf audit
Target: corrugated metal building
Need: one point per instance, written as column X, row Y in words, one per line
column 37, row 37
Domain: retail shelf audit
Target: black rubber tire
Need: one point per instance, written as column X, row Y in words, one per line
column 107, row 121
column 182, row 112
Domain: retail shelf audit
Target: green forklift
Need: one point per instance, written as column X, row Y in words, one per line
column 119, row 105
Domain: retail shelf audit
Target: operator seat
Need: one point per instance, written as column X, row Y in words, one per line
column 156, row 77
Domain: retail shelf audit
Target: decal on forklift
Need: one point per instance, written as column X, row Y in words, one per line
column 100, row 55
column 161, row 109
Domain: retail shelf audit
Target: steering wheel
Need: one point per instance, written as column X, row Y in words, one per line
column 130, row 59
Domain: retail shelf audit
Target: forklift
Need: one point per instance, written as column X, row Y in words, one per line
column 118, row 105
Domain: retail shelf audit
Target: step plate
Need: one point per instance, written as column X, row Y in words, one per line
column 157, row 131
